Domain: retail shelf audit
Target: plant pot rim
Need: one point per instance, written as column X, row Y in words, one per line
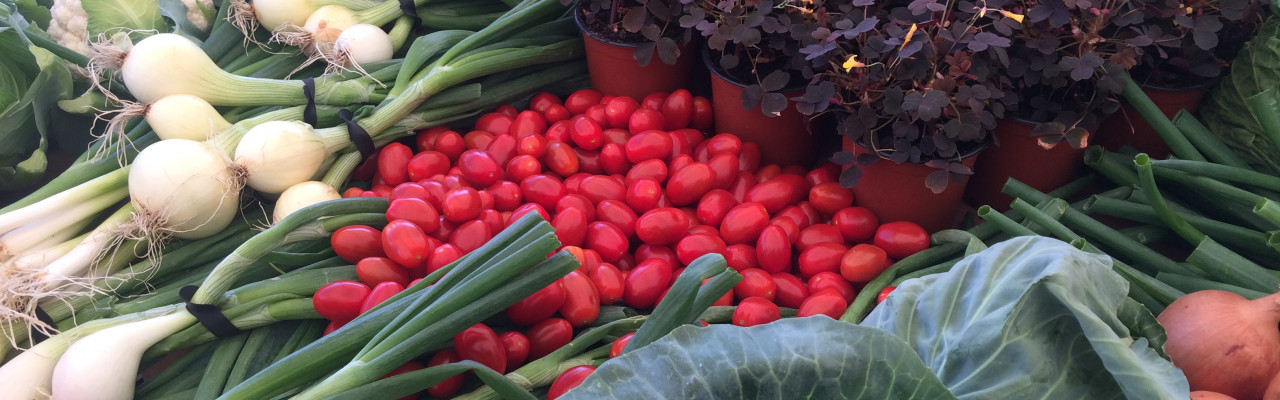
column 718, row 73
column 582, row 27
column 973, row 151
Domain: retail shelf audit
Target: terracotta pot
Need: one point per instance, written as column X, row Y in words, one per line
column 1019, row 155
column 614, row 71
column 896, row 192
column 784, row 139
column 1127, row 127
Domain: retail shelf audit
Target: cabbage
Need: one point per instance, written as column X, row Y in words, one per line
column 1225, row 111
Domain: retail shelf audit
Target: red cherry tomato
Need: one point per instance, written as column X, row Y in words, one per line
column 568, row 380
column 502, row 149
column 442, row 256
column 571, row 226
column 680, row 161
column 821, row 257
column 901, row 238
column 768, row 172
column 447, row 387
column 534, row 145
column 561, row 159
column 558, row 132
column 393, row 162
column 415, row 210
column 556, row 113
column 856, row 224
column 688, row 184
column 714, row 206
column 662, row 226
column 506, row 195
column 821, row 175
column 646, row 283
column 677, row 110
column 538, row 306
column 582, row 303
column 450, row 144
column 408, row 190
column 649, row 169
column 618, row 214
column 724, row 143
column 543, row 100
column 528, row 208
column 427, row 137
column 471, row 235
column 495, row 123
column 790, row 291
column 577, row 201
column 774, row 195
column 606, row 239
column 740, row 256
column 427, row 164
column 529, row 122
column 579, row 101
column 821, row 233
column 406, row 244
column 493, row 219
column 789, row 226
column 477, row 139
column 648, row 145
column 340, row 301
column 542, row 190
column 620, row 344
column 613, row 159
column 726, row 170
column 825, row 280
column 619, row 109
column 644, row 195
column 523, row 166
column 461, row 204
column 508, row 110
column 743, row 223
column 516, row 346
column 702, row 114
column 693, row 246
column 828, row 302
column 647, row 251
column 547, row 336
column 884, row 294
column 773, row 250
column 755, row 283
column 829, row 197
column 586, row 133
column 862, row 263
column 741, row 185
column 599, row 188
column 481, row 344
column 573, row 182
column 754, row 311
column 355, row 242
column 376, row 270
column 609, row 283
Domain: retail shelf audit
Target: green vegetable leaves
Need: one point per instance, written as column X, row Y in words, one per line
column 814, row 357
column 1031, row 317
column 1227, row 114
column 31, row 81
column 109, row 16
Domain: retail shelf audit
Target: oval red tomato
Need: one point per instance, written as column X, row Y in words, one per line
column 606, row 239
column 703, row 119
column 414, row 210
column 579, row 101
column 884, row 294
column 693, row 246
column 517, row 348
column 577, row 201
column 561, row 158
column 743, row 223
column 724, row 143
column 450, row 144
column 528, row 122
column 534, row 145
column 582, row 302
column 821, row 257
column 617, row 213
column 645, row 119
column 620, row 344
column 862, row 263
column 619, row 109
column 662, row 226
column 613, row 159
column 740, row 256
column 677, row 110
column 598, row 188
column 647, row 251
column 828, row 302
column 755, row 283
column 506, row 195
column 405, row 243
column 481, row 344
column 856, row 224
column 790, row 291
column 646, row 283
column 442, row 256
column 471, row 235
column 340, row 301
column 538, row 306
column 829, row 197
column 393, row 162
column 651, row 169
column 754, row 311
column 543, row 190
column 355, row 242
column 900, row 239
column 831, row 280
column 688, row 184
column 774, row 195
column 644, row 195
column 495, row 123
column 427, row 164
column 568, row 380
column 773, row 250
column 648, row 145
column 547, row 336
column 714, row 205
column 375, row 270
column 461, row 204
column 571, row 226
column 609, row 283
column 448, row 386
column 820, row 233
column 379, row 294
column 502, row 149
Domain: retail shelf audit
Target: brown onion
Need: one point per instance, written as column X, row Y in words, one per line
column 1223, row 342
column 1273, row 390
column 1206, row 395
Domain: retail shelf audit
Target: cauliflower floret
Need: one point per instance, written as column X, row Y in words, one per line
column 195, row 15
column 70, row 25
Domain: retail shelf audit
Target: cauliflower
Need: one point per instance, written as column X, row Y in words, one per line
column 70, row 25
column 196, row 15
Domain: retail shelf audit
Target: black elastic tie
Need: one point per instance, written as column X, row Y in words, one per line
column 309, row 90
column 411, row 10
column 209, row 315
column 36, row 335
column 358, row 135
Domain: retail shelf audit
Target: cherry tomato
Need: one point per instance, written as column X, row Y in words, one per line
column 606, row 239
column 773, row 250
column 528, row 122
column 405, row 243
column 791, row 291
column 427, row 137
column 471, row 235
column 743, row 223
column 450, row 144
column 547, row 336
column 534, row 145
column 618, row 214
column 523, row 166
column 856, row 224
column 574, row 182
column 901, row 238
column 506, row 195
column 427, row 164
column 646, row 282
column 406, row 368
column 502, row 149
column 862, row 263
column 828, row 302
column 568, row 380
column 829, row 197
column 688, row 184
column 477, row 139
column 821, row 233
column 528, row 208
column 821, row 175
column 586, row 133
column 714, row 205
column 508, row 110
column 649, row 169
column 542, row 190
column 543, row 100
column 481, row 344
column 447, row 387
column 754, row 311
column 821, row 257
column 577, row 201
column 613, row 159
column 435, row 192
column 693, row 246
column 340, row 301
column 725, row 167
column 884, row 294
column 492, row 219
column 680, row 161
column 579, row 101
column 620, row 344
column 619, row 109
column 561, row 158
column 608, row 282
column 556, row 113
column 582, row 303
column 662, row 226
column 355, row 242
column 516, row 347
column 495, row 123
column 654, row 101
column 538, row 306
column 354, row 192
column 788, row 226
column 647, row 251
column 768, row 172
column 740, row 256
column 643, row 195
column 414, row 210
column 571, row 226
column 741, row 185
column 724, row 143
column 702, row 114
column 442, row 256
column 599, row 188
column 677, row 110
column 810, row 211
column 461, row 204
column 376, row 270
column 648, row 145
column 825, row 280
column 774, row 195
column 393, row 162
column 755, row 283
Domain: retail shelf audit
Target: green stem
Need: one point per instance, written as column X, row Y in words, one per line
column 1171, row 219
column 1222, row 172
column 1191, row 284
column 1266, row 111
column 1205, row 141
column 1165, row 128
column 1245, row 239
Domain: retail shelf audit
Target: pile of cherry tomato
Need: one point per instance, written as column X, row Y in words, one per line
column 636, row 191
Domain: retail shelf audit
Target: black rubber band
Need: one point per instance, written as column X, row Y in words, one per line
column 36, row 335
column 411, row 10
column 209, row 315
column 309, row 90
column 358, row 135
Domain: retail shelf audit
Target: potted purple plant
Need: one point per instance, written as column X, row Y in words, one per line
column 623, row 38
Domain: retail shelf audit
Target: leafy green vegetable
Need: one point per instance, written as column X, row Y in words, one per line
column 1225, row 111
column 111, row 16
column 814, row 357
column 1031, row 317
column 32, row 80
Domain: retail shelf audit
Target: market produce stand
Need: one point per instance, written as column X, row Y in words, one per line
column 224, row 199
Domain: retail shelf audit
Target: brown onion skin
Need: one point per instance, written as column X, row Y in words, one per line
column 1207, row 395
column 1224, row 343
column 1273, row 390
